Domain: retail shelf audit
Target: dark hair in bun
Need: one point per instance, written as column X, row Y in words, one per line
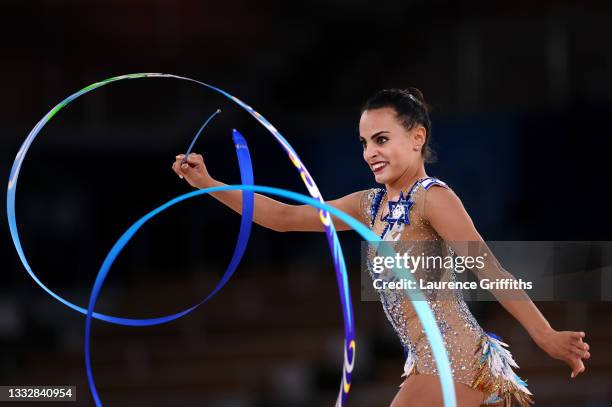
column 411, row 109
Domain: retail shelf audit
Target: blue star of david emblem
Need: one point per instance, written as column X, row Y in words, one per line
column 399, row 210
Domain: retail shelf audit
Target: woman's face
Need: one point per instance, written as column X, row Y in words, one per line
column 388, row 148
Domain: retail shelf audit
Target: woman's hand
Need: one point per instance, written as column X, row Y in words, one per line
column 193, row 170
column 566, row 346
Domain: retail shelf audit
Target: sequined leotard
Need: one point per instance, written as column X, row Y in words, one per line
column 478, row 359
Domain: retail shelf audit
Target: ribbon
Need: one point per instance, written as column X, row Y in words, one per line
column 246, row 176
column 423, row 311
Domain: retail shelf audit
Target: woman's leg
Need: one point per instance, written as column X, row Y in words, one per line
column 424, row 390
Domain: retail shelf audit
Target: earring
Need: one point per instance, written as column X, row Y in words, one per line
column 417, row 148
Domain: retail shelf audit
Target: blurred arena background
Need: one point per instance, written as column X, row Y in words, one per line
column 521, row 95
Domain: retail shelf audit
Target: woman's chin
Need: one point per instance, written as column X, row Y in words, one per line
column 380, row 178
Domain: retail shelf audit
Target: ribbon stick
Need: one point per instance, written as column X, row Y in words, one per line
column 184, row 160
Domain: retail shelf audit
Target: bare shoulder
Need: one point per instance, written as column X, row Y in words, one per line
column 446, row 214
column 441, row 194
column 441, row 199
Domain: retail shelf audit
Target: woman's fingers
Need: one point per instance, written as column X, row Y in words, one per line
column 582, row 346
column 192, row 169
column 580, row 352
column 577, row 366
column 195, row 160
column 176, row 167
column 586, row 348
column 576, row 340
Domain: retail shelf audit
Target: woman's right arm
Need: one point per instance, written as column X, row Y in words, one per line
column 267, row 212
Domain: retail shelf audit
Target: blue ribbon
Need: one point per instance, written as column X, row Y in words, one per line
column 332, row 237
column 422, row 309
column 246, row 175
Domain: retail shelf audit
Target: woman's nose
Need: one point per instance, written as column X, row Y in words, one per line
column 369, row 153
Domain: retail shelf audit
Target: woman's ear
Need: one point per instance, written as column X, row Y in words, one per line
column 419, row 136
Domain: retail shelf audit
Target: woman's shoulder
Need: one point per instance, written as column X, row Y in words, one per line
column 436, row 196
column 433, row 191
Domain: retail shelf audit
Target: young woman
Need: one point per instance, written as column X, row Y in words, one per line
column 394, row 130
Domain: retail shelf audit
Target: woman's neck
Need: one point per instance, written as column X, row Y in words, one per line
column 405, row 181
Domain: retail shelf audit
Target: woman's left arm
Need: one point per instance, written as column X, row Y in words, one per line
column 446, row 214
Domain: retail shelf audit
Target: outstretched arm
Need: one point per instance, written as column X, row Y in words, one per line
column 267, row 212
column 446, row 214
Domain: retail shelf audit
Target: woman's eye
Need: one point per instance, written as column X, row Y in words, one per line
column 382, row 140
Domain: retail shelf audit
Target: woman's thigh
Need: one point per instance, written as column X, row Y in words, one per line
column 424, row 390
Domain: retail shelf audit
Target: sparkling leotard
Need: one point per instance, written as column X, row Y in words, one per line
column 478, row 359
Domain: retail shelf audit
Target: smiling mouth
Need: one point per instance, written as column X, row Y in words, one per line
column 378, row 167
